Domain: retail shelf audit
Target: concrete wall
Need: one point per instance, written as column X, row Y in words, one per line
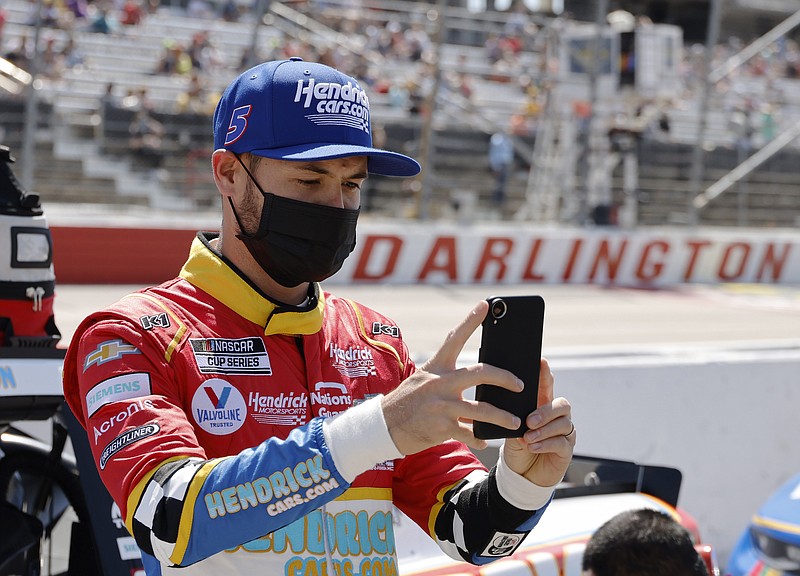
column 725, row 416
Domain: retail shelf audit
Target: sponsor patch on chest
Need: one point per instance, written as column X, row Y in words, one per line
column 231, row 356
column 218, row 407
column 353, row 361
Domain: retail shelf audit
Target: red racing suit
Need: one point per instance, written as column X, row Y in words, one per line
column 243, row 436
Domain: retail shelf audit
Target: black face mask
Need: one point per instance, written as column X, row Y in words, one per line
column 299, row 242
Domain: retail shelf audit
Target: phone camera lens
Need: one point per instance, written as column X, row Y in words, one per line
column 498, row 309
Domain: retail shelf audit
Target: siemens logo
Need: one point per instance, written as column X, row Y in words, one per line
column 122, row 387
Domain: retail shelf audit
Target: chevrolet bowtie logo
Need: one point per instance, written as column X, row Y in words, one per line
column 107, row 351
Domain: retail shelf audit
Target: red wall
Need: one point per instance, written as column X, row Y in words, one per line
column 84, row 255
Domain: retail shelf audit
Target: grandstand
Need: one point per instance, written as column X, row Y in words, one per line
column 82, row 151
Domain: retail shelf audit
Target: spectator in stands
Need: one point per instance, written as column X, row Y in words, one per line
column 107, row 105
column 50, row 64
column 199, row 9
column 506, row 67
column 109, row 98
column 48, row 14
column 131, row 13
column 459, row 80
column 416, row 97
column 492, row 47
column 399, row 94
column 767, row 122
column 79, row 9
column 517, row 20
column 102, row 22
column 202, row 52
column 174, row 59
column 741, row 122
column 501, row 161
column 418, row 42
column 642, row 542
column 230, row 11
column 664, row 124
column 146, row 137
column 71, row 54
column 196, row 99
column 137, row 98
column 21, row 53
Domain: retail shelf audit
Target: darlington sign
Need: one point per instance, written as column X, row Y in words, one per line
column 435, row 253
column 525, row 254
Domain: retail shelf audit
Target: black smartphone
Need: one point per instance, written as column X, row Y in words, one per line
column 511, row 338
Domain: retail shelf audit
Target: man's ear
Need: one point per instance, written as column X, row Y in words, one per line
column 224, row 165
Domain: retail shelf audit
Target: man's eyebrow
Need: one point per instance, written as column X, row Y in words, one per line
column 317, row 169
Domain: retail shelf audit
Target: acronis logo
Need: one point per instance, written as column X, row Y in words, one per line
column 108, row 351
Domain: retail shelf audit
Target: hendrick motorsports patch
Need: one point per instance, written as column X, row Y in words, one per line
column 126, row 439
column 502, row 544
column 231, row 356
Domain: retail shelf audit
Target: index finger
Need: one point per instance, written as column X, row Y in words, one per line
column 447, row 354
column 546, row 381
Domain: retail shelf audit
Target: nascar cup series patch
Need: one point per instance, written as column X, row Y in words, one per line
column 231, row 356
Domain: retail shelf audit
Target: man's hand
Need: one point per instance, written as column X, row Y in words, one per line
column 543, row 454
column 428, row 408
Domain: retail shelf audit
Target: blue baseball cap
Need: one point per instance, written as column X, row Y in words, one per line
column 296, row 110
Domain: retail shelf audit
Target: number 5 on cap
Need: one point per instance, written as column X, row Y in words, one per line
column 238, row 125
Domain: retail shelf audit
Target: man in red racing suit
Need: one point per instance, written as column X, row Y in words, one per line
column 251, row 424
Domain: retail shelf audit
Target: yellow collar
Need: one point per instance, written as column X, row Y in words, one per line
column 213, row 274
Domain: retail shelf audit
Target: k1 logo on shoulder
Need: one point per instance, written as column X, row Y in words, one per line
column 387, row 329
column 154, row 321
column 231, row 356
